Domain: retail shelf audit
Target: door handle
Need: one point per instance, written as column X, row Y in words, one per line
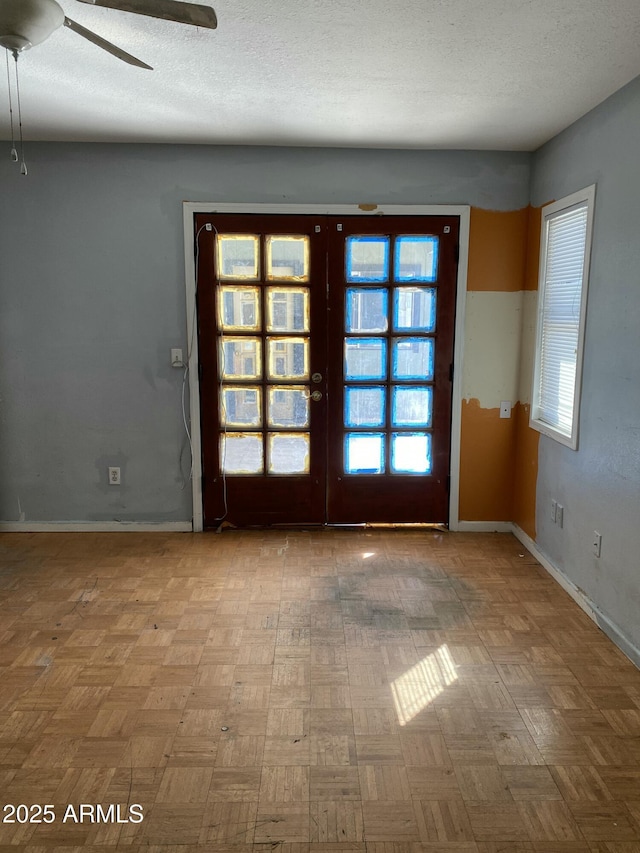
column 316, row 395
column 316, row 377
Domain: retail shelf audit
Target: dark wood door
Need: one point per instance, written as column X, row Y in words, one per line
column 261, row 301
column 326, row 348
column 392, row 284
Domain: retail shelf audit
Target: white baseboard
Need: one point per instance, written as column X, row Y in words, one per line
column 581, row 599
column 568, row 586
column 625, row 645
column 95, row 526
column 483, row 527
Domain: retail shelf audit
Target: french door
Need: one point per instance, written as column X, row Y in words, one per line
column 325, row 348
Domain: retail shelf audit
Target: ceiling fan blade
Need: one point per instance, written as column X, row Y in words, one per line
column 104, row 44
column 168, row 10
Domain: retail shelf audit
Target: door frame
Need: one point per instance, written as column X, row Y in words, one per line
column 190, row 208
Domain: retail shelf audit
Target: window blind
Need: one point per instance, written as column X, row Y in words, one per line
column 560, row 317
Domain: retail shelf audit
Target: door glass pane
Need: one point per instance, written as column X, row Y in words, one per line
column 288, row 358
column 365, row 358
column 364, row 406
column 239, row 308
column 241, row 406
column 413, row 358
column 367, row 258
column 288, row 453
column 241, row 453
column 287, row 258
column 414, row 309
column 366, row 309
column 416, row 258
column 411, row 406
column 237, row 256
column 411, row 453
column 288, row 406
column 364, row 453
column 240, row 358
column 287, row 309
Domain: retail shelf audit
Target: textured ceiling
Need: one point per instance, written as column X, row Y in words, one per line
column 496, row 74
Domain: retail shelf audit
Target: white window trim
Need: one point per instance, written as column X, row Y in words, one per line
column 549, row 212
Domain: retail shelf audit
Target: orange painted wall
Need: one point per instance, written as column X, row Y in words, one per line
column 532, row 257
column 487, row 451
column 497, row 249
column 525, row 471
column 499, row 457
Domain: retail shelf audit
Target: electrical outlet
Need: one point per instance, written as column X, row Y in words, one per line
column 176, row 358
column 114, row 476
column 597, row 543
column 505, row 409
column 554, row 510
column 559, row 515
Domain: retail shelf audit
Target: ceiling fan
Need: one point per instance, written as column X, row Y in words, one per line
column 25, row 23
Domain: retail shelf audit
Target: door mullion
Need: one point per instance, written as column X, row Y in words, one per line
column 263, row 344
column 387, row 391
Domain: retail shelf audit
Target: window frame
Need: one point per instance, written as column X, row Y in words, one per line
column 586, row 198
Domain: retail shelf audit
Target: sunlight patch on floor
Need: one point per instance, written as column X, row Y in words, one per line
column 419, row 686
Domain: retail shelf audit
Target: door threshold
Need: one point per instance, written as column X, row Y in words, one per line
column 364, row 525
column 393, row 525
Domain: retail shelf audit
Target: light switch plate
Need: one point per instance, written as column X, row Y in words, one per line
column 597, row 543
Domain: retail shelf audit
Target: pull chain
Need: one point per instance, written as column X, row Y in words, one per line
column 14, row 153
column 23, row 165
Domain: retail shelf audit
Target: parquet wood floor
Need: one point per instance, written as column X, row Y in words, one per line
column 361, row 691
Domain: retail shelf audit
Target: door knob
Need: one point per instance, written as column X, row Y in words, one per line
column 316, row 395
column 316, row 377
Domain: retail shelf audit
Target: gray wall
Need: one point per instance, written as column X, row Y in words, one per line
column 599, row 484
column 92, row 299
